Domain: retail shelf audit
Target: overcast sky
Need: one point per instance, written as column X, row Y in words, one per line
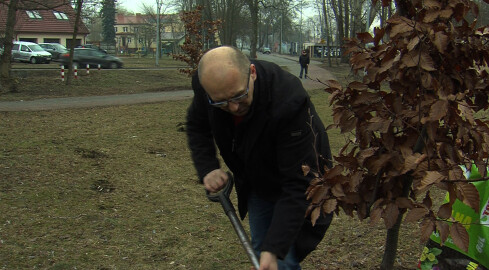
column 136, row 6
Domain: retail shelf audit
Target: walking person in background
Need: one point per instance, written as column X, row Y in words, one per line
column 304, row 61
column 265, row 126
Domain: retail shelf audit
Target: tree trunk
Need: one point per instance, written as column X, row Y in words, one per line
column 253, row 5
column 79, row 4
column 227, row 11
column 338, row 12
column 345, row 24
column 356, row 22
column 371, row 14
column 328, row 37
column 6, row 82
column 208, row 16
column 392, row 238
column 347, row 17
column 391, row 242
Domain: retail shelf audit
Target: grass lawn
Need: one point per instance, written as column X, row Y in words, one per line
column 114, row 188
column 139, row 75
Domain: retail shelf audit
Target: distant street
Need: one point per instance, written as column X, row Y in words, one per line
column 289, row 62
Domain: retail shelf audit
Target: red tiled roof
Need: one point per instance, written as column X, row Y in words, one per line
column 48, row 24
column 140, row 18
column 132, row 19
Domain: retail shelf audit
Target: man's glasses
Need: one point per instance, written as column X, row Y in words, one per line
column 237, row 99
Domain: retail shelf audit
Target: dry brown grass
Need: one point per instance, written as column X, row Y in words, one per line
column 114, row 188
column 138, row 76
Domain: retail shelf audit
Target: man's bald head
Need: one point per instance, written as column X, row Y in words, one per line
column 225, row 74
column 222, row 61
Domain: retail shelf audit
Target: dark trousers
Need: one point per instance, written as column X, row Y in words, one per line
column 302, row 70
column 260, row 213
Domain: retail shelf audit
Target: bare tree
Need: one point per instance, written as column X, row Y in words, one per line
column 13, row 6
column 327, row 30
column 253, row 6
column 229, row 11
column 184, row 5
column 155, row 17
column 90, row 17
column 78, row 8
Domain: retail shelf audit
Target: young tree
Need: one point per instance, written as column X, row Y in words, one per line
column 413, row 120
column 193, row 47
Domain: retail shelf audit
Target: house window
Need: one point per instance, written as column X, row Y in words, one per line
column 60, row 15
column 33, row 14
column 28, row 39
column 125, row 29
column 136, row 29
column 141, row 40
column 129, row 40
column 52, row 40
column 115, row 29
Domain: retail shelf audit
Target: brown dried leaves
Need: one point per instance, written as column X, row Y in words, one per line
column 437, row 79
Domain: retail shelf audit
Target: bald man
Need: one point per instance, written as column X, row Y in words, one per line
column 263, row 123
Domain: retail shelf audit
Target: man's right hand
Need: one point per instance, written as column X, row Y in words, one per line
column 215, row 180
column 268, row 261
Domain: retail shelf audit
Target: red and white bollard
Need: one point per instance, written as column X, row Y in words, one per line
column 76, row 72
column 88, row 69
column 98, row 66
column 62, row 73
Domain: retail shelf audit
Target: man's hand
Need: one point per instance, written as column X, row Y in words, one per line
column 268, row 261
column 215, row 180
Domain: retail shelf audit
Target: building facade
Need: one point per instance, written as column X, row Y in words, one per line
column 137, row 33
column 44, row 26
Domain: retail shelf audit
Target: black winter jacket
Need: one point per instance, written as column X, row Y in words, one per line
column 304, row 60
column 265, row 152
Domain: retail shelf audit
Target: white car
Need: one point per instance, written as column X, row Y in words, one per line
column 30, row 52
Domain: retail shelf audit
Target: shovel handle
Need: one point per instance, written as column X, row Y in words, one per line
column 222, row 196
column 223, row 192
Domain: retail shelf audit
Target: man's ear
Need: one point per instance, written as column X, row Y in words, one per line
column 253, row 71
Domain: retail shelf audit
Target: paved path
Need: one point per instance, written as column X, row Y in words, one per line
column 315, row 73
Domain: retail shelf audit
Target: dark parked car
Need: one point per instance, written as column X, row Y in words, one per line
column 92, row 57
column 55, row 49
column 93, row 46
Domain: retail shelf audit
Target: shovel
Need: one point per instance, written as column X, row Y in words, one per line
column 223, row 197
